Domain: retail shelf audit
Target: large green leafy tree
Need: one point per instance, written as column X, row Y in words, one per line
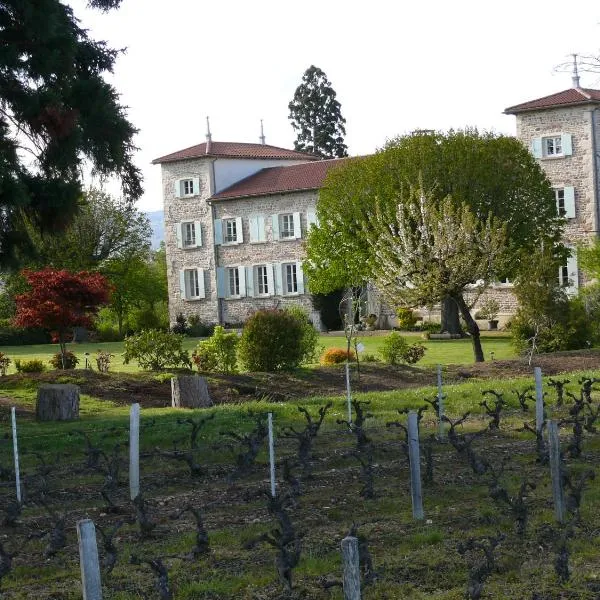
column 316, row 116
column 58, row 117
column 489, row 173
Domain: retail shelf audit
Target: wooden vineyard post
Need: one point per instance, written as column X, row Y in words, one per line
column 13, row 417
column 348, row 392
column 88, row 559
column 440, row 395
column 555, row 471
column 351, row 576
column 272, row 455
column 134, row 451
column 539, row 399
column 414, row 457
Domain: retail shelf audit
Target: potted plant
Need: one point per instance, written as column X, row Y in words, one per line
column 489, row 310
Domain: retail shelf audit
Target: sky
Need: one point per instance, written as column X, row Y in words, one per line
column 396, row 65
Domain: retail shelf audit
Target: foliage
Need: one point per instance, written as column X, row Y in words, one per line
column 316, row 116
column 369, row 358
column 414, row 353
column 272, row 340
column 58, row 115
column 393, row 349
column 66, row 361
column 218, row 353
column 22, row 336
column 155, row 350
column 310, row 336
column 181, row 326
column 489, row 310
column 103, row 360
column 58, row 300
column 4, row 363
column 405, row 318
column 336, row 356
column 197, row 328
column 29, row 366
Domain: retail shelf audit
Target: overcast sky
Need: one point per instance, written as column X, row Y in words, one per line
column 396, row 66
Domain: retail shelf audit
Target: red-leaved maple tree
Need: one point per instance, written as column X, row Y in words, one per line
column 59, row 300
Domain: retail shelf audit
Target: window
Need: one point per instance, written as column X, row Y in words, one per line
column 290, row 274
column 230, row 231
column 560, row 202
column 192, row 283
column 286, row 226
column 187, row 187
column 262, row 280
column 552, row 146
column 189, row 234
column 563, row 276
column 233, row 278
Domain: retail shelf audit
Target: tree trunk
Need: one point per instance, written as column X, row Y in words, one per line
column 57, row 402
column 450, row 318
column 472, row 328
column 190, row 391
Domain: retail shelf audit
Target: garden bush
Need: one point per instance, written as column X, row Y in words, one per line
column 196, row 328
column 396, row 350
column 336, row 356
column 30, row 366
column 310, row 336
column 414, row 353
column 71, row 361
column 405, row 319
column 103, row 360
column 154, row 350
column 272, row 340
column 4, row 363
column 218, row 353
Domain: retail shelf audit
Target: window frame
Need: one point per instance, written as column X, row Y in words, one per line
column 291, row 278
column 289, row 233
column 235, row 291
column 192, row 280
column 184, row 239
column 552, row 139
column 227, row 224
column 261, row 281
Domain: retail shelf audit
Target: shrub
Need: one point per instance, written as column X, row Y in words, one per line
column 310, row 336
column 414, row 353
column 405, row 319
column 180, row 326
column 272, row 340
column 29, row 366
column 394, row 347
column 336, row 356
column 71, row 361
column 154, row 350
column 103, row 360
column 196, row 328
column 370, row 358
column 4, row 363
column 489, row 310
column 218, row 353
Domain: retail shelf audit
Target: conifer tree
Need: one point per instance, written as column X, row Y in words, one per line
column 316, row 116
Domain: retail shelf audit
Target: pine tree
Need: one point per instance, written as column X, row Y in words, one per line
column 58, row 116
column 316, row 116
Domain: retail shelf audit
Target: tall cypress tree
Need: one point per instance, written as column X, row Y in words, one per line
column 316, row 116
column 58, row 116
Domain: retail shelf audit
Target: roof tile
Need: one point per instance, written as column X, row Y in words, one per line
column 564, row 98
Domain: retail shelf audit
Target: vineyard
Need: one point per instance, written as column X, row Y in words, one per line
column 206, row 525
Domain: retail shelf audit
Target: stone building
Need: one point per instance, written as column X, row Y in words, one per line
column 236, row 216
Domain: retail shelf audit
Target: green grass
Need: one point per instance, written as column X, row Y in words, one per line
column 443, row 352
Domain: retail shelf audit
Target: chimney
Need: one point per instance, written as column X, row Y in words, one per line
column 575, row 77
column 262, row 133
column 208, row 137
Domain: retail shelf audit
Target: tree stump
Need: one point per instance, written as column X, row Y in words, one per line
column 190, row 391
column 57, row 402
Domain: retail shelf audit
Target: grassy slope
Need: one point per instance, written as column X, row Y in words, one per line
column 414, row 560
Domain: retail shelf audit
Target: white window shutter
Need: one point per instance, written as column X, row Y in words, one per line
column 253, row 227
column 573, row 270
column 177, row 188
column 275, row 226
column 221, row 283
column 300, row 277
column 198, row 232
column 201, row 288
column 239, row 231
column 179, row 234
column 297, row 226
column 311, row 218
column 196, row 186
column 569, row 202
column 218, row 231
column 567, row 146
column 182, row 284
column 262, row 236
column 242, row 276
column 270, row 283
column 536, row 147
column 278, row 281
column 249, row 281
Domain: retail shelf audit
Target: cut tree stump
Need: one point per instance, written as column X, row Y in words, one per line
column 190, row 391
column 57, row 402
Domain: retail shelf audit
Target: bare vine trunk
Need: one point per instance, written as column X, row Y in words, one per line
column 472, row 328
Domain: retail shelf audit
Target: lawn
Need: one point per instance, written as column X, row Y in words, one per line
column 443, row 352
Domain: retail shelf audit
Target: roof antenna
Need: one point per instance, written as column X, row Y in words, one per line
column 575, row 76
column 208, row 136
column 262, row 133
